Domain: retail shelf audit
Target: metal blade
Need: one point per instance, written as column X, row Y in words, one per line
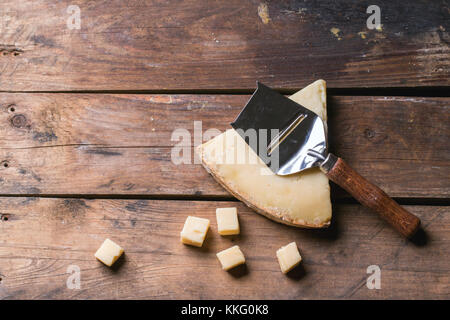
column 289, row 137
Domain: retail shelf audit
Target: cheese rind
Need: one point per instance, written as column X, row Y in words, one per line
column 109, row 252
column 194, row 231
column 227, row 221
column 288, row 257
column 231, row 258
column 301, row 199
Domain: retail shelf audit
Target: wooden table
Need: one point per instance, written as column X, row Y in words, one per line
column 87, row 117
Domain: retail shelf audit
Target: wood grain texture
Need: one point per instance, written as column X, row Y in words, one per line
column 121, row 143
column 42, row 237
column 196, row 44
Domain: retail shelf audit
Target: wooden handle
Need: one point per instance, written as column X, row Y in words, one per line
column 373, row 197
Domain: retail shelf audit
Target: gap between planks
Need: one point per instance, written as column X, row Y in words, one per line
column 168, row 197
column 429, row 92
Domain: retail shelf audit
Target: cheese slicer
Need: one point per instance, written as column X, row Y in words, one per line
column 290, row 138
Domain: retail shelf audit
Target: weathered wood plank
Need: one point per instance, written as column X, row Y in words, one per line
column 195, row 44
column 42, row 237
column 121, row 144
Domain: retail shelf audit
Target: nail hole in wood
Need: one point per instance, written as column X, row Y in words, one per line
column 5, row 217
column 12, row 108
column 5, row 164
column 369, row 133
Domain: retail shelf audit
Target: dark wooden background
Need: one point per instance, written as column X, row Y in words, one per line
column 86, row 118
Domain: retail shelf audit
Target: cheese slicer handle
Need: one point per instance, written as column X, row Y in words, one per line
column 370, row 195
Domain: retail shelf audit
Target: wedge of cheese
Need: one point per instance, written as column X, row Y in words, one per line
column 301, row 199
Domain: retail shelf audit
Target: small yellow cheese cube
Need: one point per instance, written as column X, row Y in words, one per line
column 109, row 252
column 194, row 231
column 288, row 257
column 231, row 257
column 227, row 221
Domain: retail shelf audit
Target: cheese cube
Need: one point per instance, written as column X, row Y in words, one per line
column 109, row 252
column 227, row 221
column 194, row 231
column 288, row 257
column 231, row 257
